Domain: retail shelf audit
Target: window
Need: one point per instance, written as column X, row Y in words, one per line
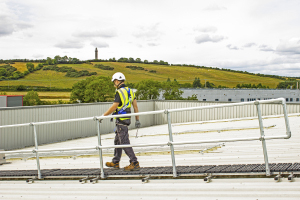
column 297, row 99
column 229, row 99
column 204, row 99
column 291, row 99
column 242, row 100
column 216, row 99
column 248, row 99
column 258, row 98
column 287, row 99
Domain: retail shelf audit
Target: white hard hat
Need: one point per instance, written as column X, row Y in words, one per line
column 118, row 76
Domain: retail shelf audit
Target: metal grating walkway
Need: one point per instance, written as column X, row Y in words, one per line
column 181, row 170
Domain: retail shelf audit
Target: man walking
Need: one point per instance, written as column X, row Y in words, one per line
column 124, row 98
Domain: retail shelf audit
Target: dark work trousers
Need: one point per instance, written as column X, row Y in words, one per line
column 122, row 137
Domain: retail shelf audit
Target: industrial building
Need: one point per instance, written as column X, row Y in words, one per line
column 242, row 95
column 11, row 100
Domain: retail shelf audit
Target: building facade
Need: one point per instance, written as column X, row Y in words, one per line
column 242, row 95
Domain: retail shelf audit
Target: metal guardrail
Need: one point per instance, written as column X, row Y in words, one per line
column 170, row 143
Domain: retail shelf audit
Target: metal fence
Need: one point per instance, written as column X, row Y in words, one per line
column 98, row 119
column 16, row 138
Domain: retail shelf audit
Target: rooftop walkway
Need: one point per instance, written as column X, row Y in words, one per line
column 194, row 163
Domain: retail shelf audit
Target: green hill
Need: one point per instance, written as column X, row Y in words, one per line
column 182, row 74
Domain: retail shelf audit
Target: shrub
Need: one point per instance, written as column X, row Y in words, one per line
column 135, row 68
column 20, row 88
column 31, row 99
column 100, row 66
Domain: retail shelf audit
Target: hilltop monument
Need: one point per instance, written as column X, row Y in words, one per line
column 96, row 54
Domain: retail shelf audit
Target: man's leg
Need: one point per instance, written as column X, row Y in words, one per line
column 117, row 151
column 122, row 132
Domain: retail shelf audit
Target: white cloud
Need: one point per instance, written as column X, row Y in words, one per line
column 206, row 29
column 99, row 44
column 38, row 55
column 290, row 47
column 207, row 38
column 152, row 44
column 108, row 33
column 215, row 7
column 148, row 32
column 265, row 47
column 231, row 47
column 248, row 45
column 8, row 25
column 69, row 44
column 13, row 18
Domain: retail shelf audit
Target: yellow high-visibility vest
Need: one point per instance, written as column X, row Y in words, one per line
column 126, row 101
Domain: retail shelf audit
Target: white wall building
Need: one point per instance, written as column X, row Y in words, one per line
column 242, row 95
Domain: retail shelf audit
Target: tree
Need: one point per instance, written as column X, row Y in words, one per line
column 161, row 62
column 210, row 85
column 193, row 97
column 31, row 99
column 196, row 83
column 171, row 91
column 39, row 66
column 57, row 59
column 131, row 60
column 49, row 61
column 93, row 89
column 186, row 85
column 2, row 72
column 146, row 61
column 30, row 67
column 20, row 88
column 148, row 89
column 138, row 60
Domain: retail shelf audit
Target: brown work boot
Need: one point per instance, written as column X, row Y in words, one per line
column 134, row 166
column 113, row 165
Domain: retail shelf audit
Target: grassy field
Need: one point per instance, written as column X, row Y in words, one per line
column 181, row 74
column 48, row 96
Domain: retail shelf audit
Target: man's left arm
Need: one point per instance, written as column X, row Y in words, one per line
column 136, row 109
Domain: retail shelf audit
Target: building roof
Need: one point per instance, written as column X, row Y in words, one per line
column 241, row 152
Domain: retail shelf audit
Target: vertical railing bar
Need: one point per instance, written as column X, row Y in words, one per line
column 100, row 150
column 286, row 118
column 36, row 152
column 171, row 145
column 261, row 126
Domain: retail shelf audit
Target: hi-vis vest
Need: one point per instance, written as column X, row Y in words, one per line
column 126, row 96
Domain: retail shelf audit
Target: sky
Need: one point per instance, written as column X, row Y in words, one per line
column 258, row 36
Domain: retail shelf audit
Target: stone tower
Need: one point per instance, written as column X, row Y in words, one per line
column 96, row 54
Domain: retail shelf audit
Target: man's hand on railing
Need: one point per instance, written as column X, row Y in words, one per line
column 137, row 124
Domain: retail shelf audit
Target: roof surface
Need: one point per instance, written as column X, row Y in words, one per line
column 242, row 152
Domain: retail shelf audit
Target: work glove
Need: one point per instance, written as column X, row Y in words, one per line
column 137, row 124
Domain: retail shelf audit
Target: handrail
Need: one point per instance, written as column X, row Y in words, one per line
column 170, row 143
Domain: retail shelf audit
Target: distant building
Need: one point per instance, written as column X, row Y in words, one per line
column 11, row 100
column 96, row 54
column 241, row 95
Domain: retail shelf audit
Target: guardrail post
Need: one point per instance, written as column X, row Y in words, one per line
column 36, row 152
column 171, row 145
column 262, row 134
column 99, row 149
column 286, row 118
